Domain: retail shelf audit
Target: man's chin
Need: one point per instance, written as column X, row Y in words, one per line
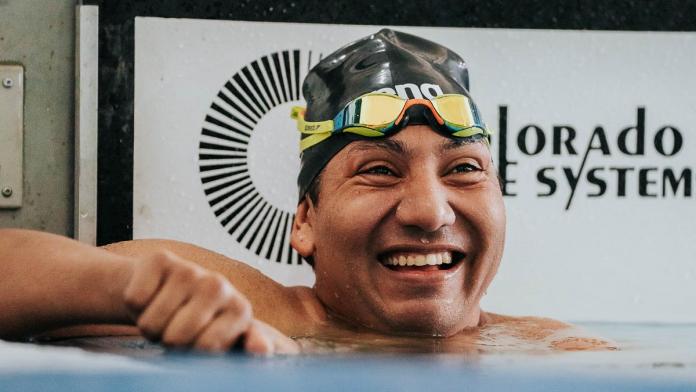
column 429, row 322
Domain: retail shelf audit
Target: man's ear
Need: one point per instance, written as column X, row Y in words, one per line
column 302, row 235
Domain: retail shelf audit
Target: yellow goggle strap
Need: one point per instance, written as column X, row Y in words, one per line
column 321, row 130
column 471, row 132
column 317, row 131
column 313, row 139
column 310, row 127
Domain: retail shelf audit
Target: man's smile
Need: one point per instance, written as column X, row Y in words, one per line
column 421, row 260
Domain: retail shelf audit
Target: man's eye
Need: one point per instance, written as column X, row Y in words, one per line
column 379, row 170
column 465, row 168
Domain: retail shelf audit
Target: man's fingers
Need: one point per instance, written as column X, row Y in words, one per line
column 226, row 328
column 172, row 296
column 187, row 324
column 263, row 339
column 146, row 280
column 258, row 342
column 185, row 305
column 212, row 293
column 285, row 345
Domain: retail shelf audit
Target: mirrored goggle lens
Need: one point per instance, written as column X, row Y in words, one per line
column 374, row 111
column 457, row 110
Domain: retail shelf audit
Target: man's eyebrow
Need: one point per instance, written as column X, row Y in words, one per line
column 453, row 144
column 395, row 146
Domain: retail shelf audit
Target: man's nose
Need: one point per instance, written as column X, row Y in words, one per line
column 425, row 205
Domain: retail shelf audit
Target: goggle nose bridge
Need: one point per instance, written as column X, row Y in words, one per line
column 419, row 102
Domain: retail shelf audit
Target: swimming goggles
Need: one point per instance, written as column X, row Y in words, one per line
column 379, row 114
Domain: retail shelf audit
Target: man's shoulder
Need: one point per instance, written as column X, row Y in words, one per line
column 556, row 334
column 151, row 246
column 544, row 323
column 206, row 258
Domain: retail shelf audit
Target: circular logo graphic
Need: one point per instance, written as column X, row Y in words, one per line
column 239, row 137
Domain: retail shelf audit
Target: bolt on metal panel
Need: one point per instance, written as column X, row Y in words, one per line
column 11, row 135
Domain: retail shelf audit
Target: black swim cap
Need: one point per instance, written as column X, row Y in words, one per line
column 388, row 61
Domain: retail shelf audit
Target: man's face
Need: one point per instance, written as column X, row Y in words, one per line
column 412, row 198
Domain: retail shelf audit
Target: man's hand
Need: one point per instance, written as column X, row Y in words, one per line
column 184, row 305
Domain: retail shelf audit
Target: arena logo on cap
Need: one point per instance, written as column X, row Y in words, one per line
column 229, row 127
column 653, row 143
column 413, row 90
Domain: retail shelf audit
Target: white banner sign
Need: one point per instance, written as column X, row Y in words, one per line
column 594, row 133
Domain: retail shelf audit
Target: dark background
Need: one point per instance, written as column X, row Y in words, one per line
column 116, row 19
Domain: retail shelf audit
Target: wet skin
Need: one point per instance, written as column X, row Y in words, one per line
column 415, row 193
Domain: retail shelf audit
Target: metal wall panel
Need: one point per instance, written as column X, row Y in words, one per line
column 39, row 35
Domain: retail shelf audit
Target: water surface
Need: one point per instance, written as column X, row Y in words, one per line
column 650, row 357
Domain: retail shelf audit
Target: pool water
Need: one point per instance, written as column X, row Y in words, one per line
column 655, row 357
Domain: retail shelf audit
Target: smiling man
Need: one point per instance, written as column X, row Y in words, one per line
column 404, row 218
column 400, row 213
column 406, row 232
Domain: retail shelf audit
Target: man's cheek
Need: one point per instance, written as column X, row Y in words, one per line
column 490, row 211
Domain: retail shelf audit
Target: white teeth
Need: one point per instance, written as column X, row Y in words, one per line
column 419, row 259
column 432, row 259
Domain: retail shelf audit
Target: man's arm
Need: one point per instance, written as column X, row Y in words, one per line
column 293, row 310
column 48, row 282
